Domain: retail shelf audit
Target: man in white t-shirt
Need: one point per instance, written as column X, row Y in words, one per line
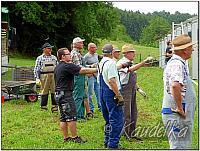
column 110, row 98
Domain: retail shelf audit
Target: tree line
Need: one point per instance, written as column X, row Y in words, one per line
column 59, row 22
column 147, row 29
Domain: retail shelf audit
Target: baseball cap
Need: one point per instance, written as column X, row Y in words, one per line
column 47, row 45
column 77, row 39
column 107, row 48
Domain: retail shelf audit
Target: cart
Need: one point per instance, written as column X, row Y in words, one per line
column 22, row 83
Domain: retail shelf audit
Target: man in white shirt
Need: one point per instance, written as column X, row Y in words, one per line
column 179, row 96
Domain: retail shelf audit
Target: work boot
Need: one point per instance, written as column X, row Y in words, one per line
column 44, row 100
column 53, row 100
column 43, row 108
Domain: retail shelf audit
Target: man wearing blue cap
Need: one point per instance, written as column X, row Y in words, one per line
column 110, row 98
column 44, row 74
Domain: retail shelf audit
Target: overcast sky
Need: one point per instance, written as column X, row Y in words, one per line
column 172, row 7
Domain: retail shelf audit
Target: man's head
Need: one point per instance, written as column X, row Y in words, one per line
column 78, row 43
column 47, row 49
column 63, row 54
column 128, row 51
column 92, row 48
column 169, row 43
column 182, row 46
column 107, row 50
column 116, row 52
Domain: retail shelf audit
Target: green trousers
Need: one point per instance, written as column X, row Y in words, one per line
column 79, row 95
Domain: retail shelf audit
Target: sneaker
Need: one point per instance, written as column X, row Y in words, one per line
column 131, row 139
column 89, row 115
column 54, row 109
column 78, row 139
column 67, row 139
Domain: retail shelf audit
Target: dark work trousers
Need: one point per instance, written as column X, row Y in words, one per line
column 112, row 114
column 44, row 99
column 130, row 106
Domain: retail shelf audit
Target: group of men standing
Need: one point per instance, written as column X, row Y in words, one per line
column 113, row 81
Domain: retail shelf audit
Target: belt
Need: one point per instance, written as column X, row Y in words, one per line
column 46, row 72
column 166, row 111
column 169, row 110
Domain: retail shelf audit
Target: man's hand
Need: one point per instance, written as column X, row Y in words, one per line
column 119, row 99
column 38, row 82
column 127, row 64
column 142, row 92
column 148, row 59
column 179, row 111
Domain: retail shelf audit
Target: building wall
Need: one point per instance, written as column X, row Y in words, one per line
column 190, row 27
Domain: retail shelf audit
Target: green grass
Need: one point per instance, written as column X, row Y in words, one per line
column 25, row 126
column 140, row 50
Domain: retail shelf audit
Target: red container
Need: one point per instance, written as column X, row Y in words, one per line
column 2, row 99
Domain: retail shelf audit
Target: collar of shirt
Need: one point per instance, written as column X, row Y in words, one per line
column 76, row 50
column 174, row 56
column 45, row 56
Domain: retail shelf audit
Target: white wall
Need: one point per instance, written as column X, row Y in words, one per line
column 195, row 52
column 4, row 61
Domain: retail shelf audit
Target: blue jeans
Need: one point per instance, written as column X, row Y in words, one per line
column 93, row 85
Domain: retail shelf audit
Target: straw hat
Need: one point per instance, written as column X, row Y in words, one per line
column 181, row 42
column 127, row 48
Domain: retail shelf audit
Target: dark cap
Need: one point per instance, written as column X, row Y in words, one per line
column 107, row 48
column 47, row 45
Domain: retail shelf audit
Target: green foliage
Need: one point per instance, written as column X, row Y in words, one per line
column 119, row 34
column 177, row 17
column 31, row 11
column 134, row 23
column 60, row 21
column 158, row 27
column 94, row 19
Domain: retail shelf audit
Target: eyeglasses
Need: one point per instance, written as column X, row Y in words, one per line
column 67, row 54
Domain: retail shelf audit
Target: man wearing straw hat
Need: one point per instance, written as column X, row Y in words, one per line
column 179, row 96
column 128, row 81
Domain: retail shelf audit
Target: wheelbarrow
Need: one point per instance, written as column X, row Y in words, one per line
column 26, row 88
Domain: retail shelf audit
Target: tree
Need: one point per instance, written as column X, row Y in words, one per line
column 157, row 29
column 60, row 21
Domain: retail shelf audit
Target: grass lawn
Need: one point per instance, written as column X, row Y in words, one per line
column 25, row 126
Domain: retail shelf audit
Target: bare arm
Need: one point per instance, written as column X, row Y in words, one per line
column 176, row 93
column 113, row 84
column 136, row 66
column 87, row 70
